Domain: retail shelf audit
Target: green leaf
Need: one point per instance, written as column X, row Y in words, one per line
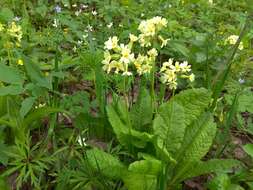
column 35, row 74
column 125, row 134
column 40, row 113
column 179, row 47
column 198, row 138
column 6, row 15
column 3, row 105
column 4, row 157
column 223, row 182
column 3, row 184
column 194, row 102
column 220, row 182
column 248, row 148
column 197, row 141
column 41, row 10
column 148, row 166
column 169, row 126
column 105, row 163
column 10, row 75
column 162, row 151
column 142, row 113
column 26, row 106
column 210, row 166
column 134, row 181
column 11, row 90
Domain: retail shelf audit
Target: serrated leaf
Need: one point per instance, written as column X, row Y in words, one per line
column 105, row 163
column 169, row 126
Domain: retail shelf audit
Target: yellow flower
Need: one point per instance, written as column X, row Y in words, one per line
column 118, row 66
column 164, row 42
column 191, row 77
column 185, row 67
column 169, row 77
column 106, row 61
column 15, row 31
column 232, row 40
column 133, row 38
column 143, row 64
column 152, row 26
column 20, row 62
column 166, row 65
column 153, row 53
column 112, row 43
column 144, row 40
column 170, row 72
column 176, row 67
column 126, row 55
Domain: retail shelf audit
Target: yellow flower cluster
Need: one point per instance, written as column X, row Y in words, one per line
column 117, row 57
column 120, row 59
column 13, row 30
column 149, row 29
column 171, row 71
column 232, row 41
column 144, row 63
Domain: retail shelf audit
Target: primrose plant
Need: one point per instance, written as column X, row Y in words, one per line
column 167, row 144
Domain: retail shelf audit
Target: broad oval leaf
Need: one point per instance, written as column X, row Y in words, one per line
column 169, row 126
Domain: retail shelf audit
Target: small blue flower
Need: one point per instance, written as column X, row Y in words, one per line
column 57, row 9
column 241, row 81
